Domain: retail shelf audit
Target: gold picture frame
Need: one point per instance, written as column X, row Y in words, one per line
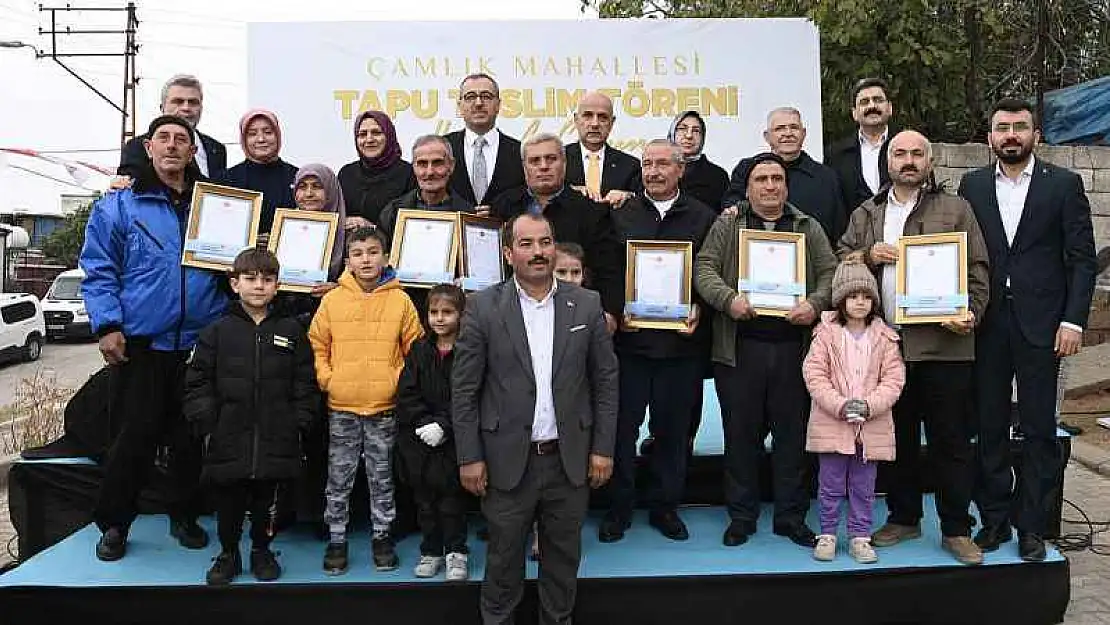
column 773, row 278
column 417, row 253
column 920, row 259
column 478, row 273
column 658, row 304
column 319, row 247
column 212, row 241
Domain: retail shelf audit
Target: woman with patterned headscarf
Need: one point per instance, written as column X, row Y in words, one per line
column 262, row 169
column 379, row 175
column 702, row 179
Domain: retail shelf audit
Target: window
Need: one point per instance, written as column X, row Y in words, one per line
column 19, row 311
column 66, row 288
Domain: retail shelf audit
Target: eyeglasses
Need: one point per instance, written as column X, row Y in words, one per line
column 878, row 99
column 688, row 130
column 472, row 96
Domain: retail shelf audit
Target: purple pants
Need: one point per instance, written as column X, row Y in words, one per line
column 848, row 477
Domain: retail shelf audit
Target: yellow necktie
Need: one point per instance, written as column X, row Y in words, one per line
column 593, row 174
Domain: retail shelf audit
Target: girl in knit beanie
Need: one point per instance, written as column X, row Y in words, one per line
column 854, row 373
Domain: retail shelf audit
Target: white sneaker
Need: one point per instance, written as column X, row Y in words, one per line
column 428, row 566
column 861, row 551
column 457, row 567
column 825, row 550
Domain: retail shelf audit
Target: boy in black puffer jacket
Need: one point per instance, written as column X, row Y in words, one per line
column 251, row 389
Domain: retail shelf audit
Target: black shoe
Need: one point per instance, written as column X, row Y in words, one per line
column 264, row 565
column 335, row 558
column 1031, row 547
column 647, row 446
column 991, row 537
column 224, row 568
column 737, row 534
column 612, row 528
column 669, row 524
column 189, row 534
column 112, row 545
column 385, row 558
column 800, row 535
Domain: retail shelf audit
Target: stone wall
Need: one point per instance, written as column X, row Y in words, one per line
column 1091, row 163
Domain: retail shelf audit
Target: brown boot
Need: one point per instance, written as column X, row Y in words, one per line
column 891, row 534
column 963, row 549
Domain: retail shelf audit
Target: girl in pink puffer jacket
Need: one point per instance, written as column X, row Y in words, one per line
column 854, row 373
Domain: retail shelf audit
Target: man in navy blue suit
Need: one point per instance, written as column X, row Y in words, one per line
column 1037, row 224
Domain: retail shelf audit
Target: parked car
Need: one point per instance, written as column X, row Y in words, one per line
column 64, row 308
column 22, row 326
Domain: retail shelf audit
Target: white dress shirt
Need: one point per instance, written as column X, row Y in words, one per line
column 894, row 224
column 869, row 161
column 493, row 139
column 201, row 157
column 586, row 160
column 539, row 325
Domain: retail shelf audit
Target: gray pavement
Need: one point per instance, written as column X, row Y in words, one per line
column 70, row 363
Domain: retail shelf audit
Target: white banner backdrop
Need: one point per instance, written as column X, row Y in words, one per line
column 318, row 76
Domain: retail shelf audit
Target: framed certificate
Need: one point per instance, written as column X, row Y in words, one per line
column 223, row 221
column 658, row 284
column 302, row 242
column 480, row 260
column 772, row 270
column 425, row 247
column 931, row 284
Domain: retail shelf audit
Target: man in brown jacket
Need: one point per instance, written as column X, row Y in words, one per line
column 939, row 357
column 757, row 360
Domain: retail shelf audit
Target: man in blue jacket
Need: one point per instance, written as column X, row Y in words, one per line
column 147, row 311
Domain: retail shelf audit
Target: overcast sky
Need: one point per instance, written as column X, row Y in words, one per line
column 44, row 108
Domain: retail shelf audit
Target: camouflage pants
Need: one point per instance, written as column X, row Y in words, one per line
column 350, row 438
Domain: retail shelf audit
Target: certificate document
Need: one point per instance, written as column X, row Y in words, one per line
column 772, row 268
column 223, row 229
column 482, row 264
column 302, row 251
column 426, row 251
column 660, row 276
column 932, row 279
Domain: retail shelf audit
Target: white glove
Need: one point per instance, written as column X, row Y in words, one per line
column 432, row 434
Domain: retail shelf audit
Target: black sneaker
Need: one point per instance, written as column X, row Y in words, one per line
column 224, row 568
column 189, row 534
column 112, row 545
column 335, row 559
column 385, row 558
column 800, row 535
column 264, row 565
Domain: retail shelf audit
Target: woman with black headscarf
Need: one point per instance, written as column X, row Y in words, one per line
column 379, row 175
column 702, row 179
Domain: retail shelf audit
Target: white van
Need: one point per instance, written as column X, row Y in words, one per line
column 22, row 330
column 64, row 309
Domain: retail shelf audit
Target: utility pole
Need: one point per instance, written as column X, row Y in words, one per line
column 130, row 51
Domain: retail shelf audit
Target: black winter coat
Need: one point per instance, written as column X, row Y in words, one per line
column 252, row 390
column 423, row 397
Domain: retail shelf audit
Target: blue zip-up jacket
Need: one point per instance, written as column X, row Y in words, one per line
column 134, row 281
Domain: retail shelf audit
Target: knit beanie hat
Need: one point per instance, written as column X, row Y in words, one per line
column 163, row 120
column 852, row 276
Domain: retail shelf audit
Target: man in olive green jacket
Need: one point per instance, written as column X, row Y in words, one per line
column 757, row 358
column 939, row 357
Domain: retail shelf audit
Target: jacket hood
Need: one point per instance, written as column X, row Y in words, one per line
column 829, row 324
column 386, row 281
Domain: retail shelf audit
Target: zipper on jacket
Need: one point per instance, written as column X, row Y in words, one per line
column 181, row 268
column 254, row 407
column 149, row 234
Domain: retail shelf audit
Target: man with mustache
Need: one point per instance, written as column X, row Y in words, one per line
column 575, row 218
column 182, row 97
column 812, row 187
column 1037, row 224
column 860, row 160
column 660, row 370
column 534, row 408
column 757, row 360
column 939, row 357
column 594, row 168
column 489, row 163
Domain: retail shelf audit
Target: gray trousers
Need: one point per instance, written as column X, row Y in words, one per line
column 350, row 439
column 544, row 493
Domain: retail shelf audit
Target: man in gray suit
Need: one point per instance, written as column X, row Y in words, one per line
column 534, row 398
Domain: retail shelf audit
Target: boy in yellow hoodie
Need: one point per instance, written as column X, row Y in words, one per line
column 360, row 337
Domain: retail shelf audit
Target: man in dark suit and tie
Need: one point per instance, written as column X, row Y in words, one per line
column 488, row 159
column 534, row 403
column 860, row 160
column 594, row 168
column 181, row 96
column 1037, row 224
